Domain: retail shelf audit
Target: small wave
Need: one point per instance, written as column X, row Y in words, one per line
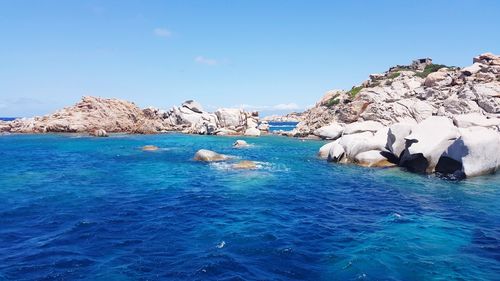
column 221, row 245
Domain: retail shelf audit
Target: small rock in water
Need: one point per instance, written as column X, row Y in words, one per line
column 209, row 156
column 245, row 165
column 240, row 143
column 150, row 148
column 99, row 133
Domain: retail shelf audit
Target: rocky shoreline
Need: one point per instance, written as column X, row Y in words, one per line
column 100, row 116
column 425, row 117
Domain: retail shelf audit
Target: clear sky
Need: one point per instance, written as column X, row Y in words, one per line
column 269, row 54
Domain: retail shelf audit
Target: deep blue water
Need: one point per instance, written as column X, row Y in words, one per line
column 284, row 126
column 81, row 208
column 7, row 118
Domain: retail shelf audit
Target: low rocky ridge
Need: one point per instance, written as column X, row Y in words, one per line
column 99, row 116
column 424, row 117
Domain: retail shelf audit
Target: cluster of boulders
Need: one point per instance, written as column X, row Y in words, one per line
column 100, row 116
column 412, row 94
column 424, row 117
column 437, row 144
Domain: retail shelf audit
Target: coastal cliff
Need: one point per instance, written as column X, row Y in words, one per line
column 424, row 117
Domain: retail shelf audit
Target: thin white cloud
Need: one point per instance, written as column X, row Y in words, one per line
column 204, row 60
column 286, row 106
column 162, row 32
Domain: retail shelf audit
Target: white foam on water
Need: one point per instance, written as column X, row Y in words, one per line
column 221, row 244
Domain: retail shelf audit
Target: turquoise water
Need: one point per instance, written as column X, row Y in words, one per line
column 81, row 208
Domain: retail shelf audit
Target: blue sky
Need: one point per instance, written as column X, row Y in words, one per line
column 270, row 55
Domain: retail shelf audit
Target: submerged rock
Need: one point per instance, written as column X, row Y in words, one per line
column 245, row 165
column 209, row 156
column 150, row 148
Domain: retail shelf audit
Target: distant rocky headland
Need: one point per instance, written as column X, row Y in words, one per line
column 425, row 117
column 100, row 116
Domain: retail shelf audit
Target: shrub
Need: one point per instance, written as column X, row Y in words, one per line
column 430, row 69
column 333, row 101
column 394, row 75
column 354, row 91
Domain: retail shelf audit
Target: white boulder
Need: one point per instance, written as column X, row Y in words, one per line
column 240, row 143
column 230, row 117
column 396, row 135
column 325, row 149
column 427, row 142
column 363, row 126
column 252, row 132
column 475, row 153
column 372, row 158
column 336, row 153
column 330, row 132
column 205, row 155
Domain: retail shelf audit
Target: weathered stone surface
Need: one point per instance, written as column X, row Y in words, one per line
column 252, row 132
column 205, row 155
column 475, row 119
column 336, row 152
column 396, row 135
column 324, row 150
column 99, row 133
column 427, row 142
column 240, row 144
column 365, row 126
column 438, row 79
column 372, row 158
column 474, row 153
column 330, row 132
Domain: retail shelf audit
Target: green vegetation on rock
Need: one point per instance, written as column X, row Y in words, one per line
column 333, row 101
column 394, row 75
column 430, row 69
column 354, row 91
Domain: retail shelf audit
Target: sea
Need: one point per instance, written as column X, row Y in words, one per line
column 8, row 118
column 282, row 126
column 74, row 207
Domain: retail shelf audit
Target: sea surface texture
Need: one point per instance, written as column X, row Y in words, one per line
column 282, row 126
column 82, row 208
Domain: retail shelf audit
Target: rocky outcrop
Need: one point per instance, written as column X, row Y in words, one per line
column 411, row 94
column 433, row 145
column 240, row 144
column 100, row 116
column 205, row 155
